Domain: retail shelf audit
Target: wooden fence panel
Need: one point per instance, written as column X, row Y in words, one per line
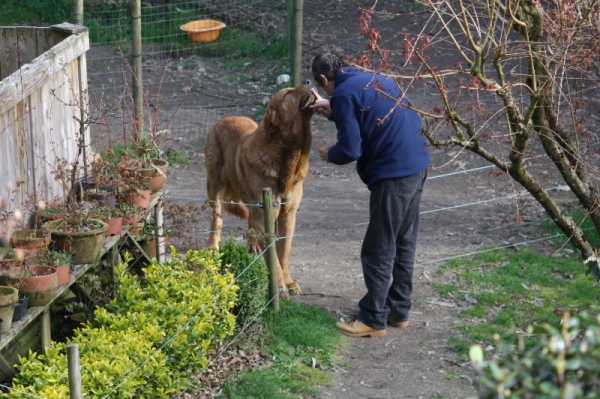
column 9, row 55
column 45, row 40
column 38, row 104
column 27, row 46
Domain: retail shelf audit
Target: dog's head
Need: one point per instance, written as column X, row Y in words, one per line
column 288, row 107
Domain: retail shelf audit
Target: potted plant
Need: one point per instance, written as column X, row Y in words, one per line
column 16, row 244
column 147, row 237
column 101, row 186
column 35, row 279
column 137, row 195
column 9, row 297
column 138, row 162
column 131, row 213
column 21, row 230
column 21, row 308
column 62, row 261
column 79, row 234
column 113, row 218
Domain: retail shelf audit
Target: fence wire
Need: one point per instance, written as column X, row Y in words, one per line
column 188, row 85
column 184, row 328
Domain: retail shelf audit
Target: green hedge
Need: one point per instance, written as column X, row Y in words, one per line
column 252, row 277
column 564, row 363
column 149, row 340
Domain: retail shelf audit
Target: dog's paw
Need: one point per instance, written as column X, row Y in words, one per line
column 283, row 292
column 293, row 288
column 253, row 248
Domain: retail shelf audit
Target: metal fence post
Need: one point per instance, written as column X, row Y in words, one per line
column 270, row 254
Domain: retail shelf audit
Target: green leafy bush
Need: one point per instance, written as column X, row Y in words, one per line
column 149, row 340
column 108, row 358
column 183, row 307
column 251, row 277
column 563, row 364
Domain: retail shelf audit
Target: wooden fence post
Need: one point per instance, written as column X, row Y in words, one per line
column 74, row 372
column 160, row 235
column 271, row 253
column 136, row 64
column 297, row 43
column 78, row 12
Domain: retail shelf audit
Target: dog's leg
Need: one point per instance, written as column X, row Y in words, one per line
column 256, row 231
column 216, row 222
column 214, row 189
column 287, row 225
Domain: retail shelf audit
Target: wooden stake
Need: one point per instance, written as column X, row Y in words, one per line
column 297, row 43
column 270, row 254
column 78, row 12
column 160, row 235
column 136, row 64
column 74, row 372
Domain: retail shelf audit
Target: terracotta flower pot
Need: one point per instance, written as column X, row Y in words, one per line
column 156, row 183
column 131, row 219
column 40, row 284
column 147, row 172
column 114, row 226
column 105, row 198
column 48, row 214
column 149, row 245
column 64, row 273
column 136, row 228
column 162, row 165
column 30, row 239
column 9, row 297
column 79, row 319
column 86, row 246
column 142, row 200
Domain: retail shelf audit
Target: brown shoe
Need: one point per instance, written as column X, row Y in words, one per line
column 395, row 323
column 356, row 328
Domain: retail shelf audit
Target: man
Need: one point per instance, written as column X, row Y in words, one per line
column 376, row 129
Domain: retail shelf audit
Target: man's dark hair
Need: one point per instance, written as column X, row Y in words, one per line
column 327, row 65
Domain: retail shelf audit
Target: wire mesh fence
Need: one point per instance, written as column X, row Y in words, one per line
column 188, row 85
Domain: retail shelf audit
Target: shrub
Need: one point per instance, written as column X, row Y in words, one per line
column 563, row 364
column 149, row 340
column 251, row 276
column 107, row 358
column 183, row 307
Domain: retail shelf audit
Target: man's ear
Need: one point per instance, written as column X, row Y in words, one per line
column 323, row 79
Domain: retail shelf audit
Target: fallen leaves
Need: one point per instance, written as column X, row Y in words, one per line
column 208, row 383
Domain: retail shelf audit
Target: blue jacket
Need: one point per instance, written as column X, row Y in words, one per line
column 383, row 137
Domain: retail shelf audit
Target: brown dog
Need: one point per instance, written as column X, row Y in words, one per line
column 242, row 158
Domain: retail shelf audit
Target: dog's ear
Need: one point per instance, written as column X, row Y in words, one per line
column 271, row 120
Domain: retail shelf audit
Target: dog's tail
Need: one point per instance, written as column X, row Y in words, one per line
column 236, row 209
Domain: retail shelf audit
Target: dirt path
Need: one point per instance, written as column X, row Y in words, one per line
column 412, row 363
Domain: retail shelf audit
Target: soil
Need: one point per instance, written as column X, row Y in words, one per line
column 416, row 362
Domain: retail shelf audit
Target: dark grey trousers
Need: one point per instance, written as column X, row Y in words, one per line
column 388, row 250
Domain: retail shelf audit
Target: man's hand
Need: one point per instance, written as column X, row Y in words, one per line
column 324, row 150
column 321, row 106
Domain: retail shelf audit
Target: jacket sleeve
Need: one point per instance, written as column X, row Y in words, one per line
column 349, row 145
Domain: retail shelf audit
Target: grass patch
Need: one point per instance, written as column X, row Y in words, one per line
column 514, row 290
column 34, row 13
column 171, row 155
column 580, row 217
column 294, row 336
